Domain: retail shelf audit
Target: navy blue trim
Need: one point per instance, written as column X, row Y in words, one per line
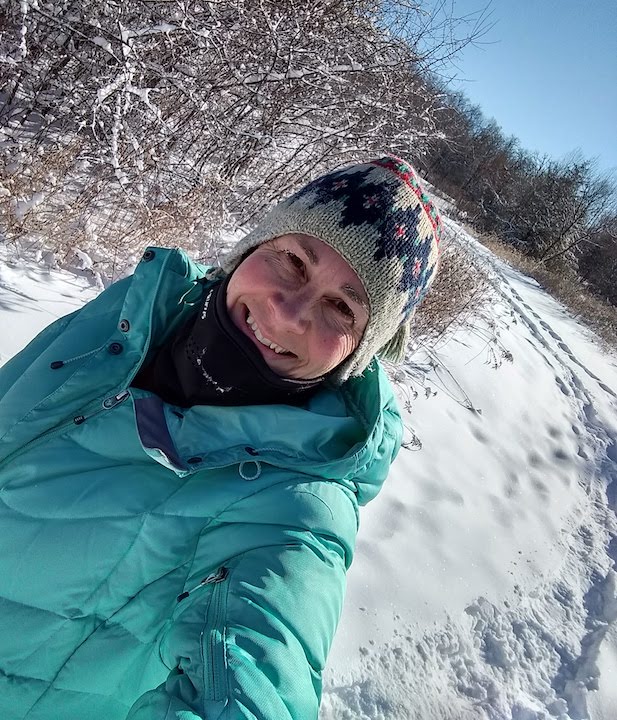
column 153, row 430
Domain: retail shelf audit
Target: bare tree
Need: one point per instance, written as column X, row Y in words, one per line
column 185, row 114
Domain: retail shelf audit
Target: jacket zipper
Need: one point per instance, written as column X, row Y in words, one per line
column 107, row 404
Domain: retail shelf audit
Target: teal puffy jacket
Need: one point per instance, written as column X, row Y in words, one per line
column 159, row 562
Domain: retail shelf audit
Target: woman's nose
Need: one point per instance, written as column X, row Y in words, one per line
column 292, row 310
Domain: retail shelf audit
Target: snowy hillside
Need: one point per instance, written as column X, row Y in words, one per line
column 483, row 584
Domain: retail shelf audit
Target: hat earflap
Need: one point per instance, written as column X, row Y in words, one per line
column 394, row 349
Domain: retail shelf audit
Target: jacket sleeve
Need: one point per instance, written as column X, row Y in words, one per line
column 253, row 645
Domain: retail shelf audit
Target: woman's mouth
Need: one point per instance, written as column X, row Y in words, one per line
column 264, row 340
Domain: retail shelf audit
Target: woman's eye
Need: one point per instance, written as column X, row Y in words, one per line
column 344, row 309
column 297, row 262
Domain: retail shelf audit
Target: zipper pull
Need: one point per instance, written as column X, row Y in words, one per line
column 215, row 577
column 114, row 400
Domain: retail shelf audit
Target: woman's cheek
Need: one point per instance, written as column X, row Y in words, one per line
column 338, row 347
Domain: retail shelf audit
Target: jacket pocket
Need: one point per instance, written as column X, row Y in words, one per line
column 194, row 640
column 214, row 659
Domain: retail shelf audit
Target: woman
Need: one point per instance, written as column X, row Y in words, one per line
column 182, row 461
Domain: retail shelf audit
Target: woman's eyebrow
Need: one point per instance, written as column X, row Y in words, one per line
column 352, row 293
column 310, row 253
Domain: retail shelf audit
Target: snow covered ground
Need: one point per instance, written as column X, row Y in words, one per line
column 483, row 584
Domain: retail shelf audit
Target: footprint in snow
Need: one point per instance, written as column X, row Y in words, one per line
column 562, row 386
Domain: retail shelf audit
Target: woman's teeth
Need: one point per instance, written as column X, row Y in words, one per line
column 263, row 340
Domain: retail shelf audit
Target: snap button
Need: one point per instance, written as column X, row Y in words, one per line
column 115, row 348
column 108, row 403
column 125, row 325
column 148, row 255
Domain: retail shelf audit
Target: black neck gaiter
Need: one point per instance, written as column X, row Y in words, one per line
column 210, row 361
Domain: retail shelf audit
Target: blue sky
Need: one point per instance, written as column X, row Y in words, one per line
column 547, row 72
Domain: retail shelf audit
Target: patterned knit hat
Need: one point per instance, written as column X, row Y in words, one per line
column 376, row 216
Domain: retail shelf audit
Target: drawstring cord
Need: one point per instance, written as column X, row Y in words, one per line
column 200, row 282
column 61, row 363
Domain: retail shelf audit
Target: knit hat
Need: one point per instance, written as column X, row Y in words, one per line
column 376, row 216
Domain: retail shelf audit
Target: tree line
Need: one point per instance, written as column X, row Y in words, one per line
column 562, row 212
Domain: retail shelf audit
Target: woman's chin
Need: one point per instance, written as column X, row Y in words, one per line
column 286, row 367
column 281, row 364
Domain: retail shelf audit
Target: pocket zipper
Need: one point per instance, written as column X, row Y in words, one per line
column 213, row 634
column 98, row 407
column 215, row 665
column 215, row 577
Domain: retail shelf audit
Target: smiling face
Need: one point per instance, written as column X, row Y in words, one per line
column 301, row 303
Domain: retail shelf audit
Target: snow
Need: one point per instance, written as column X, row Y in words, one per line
column 603, row 704
column 32, row 295
column 483, row 585
column 22, row 206
column 103, row 43
column 84, row 261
